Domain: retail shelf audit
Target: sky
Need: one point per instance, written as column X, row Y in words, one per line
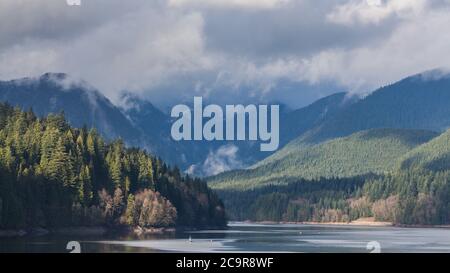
column 288, row 51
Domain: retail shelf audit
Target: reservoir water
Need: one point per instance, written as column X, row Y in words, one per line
column 244, row 237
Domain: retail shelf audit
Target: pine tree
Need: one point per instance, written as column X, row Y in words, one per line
column 145, row 177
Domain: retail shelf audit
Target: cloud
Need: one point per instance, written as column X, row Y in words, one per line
column 292, row 52
column 251, row 4
column 134, row 52
column 374, row 11
column 225, row 158
column 413, row 47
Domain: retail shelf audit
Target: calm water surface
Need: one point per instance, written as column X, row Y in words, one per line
column 243, row 237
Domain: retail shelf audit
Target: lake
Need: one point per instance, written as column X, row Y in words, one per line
column 244, row 237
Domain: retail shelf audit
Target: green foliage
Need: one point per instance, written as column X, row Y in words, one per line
column 423, row 197
column 54, row 175
column 433, row 155
column 372, row 151
column 302, row 200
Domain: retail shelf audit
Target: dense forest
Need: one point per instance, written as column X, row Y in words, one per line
column 53, row 175
column 413, row 196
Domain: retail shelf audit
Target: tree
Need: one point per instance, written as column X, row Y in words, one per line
column 118, row 203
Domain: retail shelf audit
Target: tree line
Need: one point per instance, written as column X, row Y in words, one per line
column 408, row 196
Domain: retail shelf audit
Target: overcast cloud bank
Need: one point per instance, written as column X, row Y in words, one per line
column 239, row 49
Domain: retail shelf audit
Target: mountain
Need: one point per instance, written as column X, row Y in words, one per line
column 292, row 124
column 295, row 123
column 54, row 93
column 298, row 122
column 139, row 123
column 417, row 102
column 154, row 126
column 384, row 156
column 371, row 151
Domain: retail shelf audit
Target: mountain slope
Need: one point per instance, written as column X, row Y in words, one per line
column 433, row 155
column 154, row 125
column 297, row 122
column 371, row 151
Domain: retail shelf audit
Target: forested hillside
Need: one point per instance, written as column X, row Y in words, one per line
column 372, row 151
column 54, row 175
column 433, row 155
column 415, row 189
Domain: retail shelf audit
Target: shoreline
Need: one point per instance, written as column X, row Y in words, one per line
column 95, row 231
column 371, row 224
column 363, row 222
column 139, row 231
column 37, row 232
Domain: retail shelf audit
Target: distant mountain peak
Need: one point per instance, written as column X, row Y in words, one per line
column 431, row 75
column 133, row 101
column 54, row 76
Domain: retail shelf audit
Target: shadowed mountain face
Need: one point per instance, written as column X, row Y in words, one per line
column 154, row 127
column 417, row 102
column 297, row 122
